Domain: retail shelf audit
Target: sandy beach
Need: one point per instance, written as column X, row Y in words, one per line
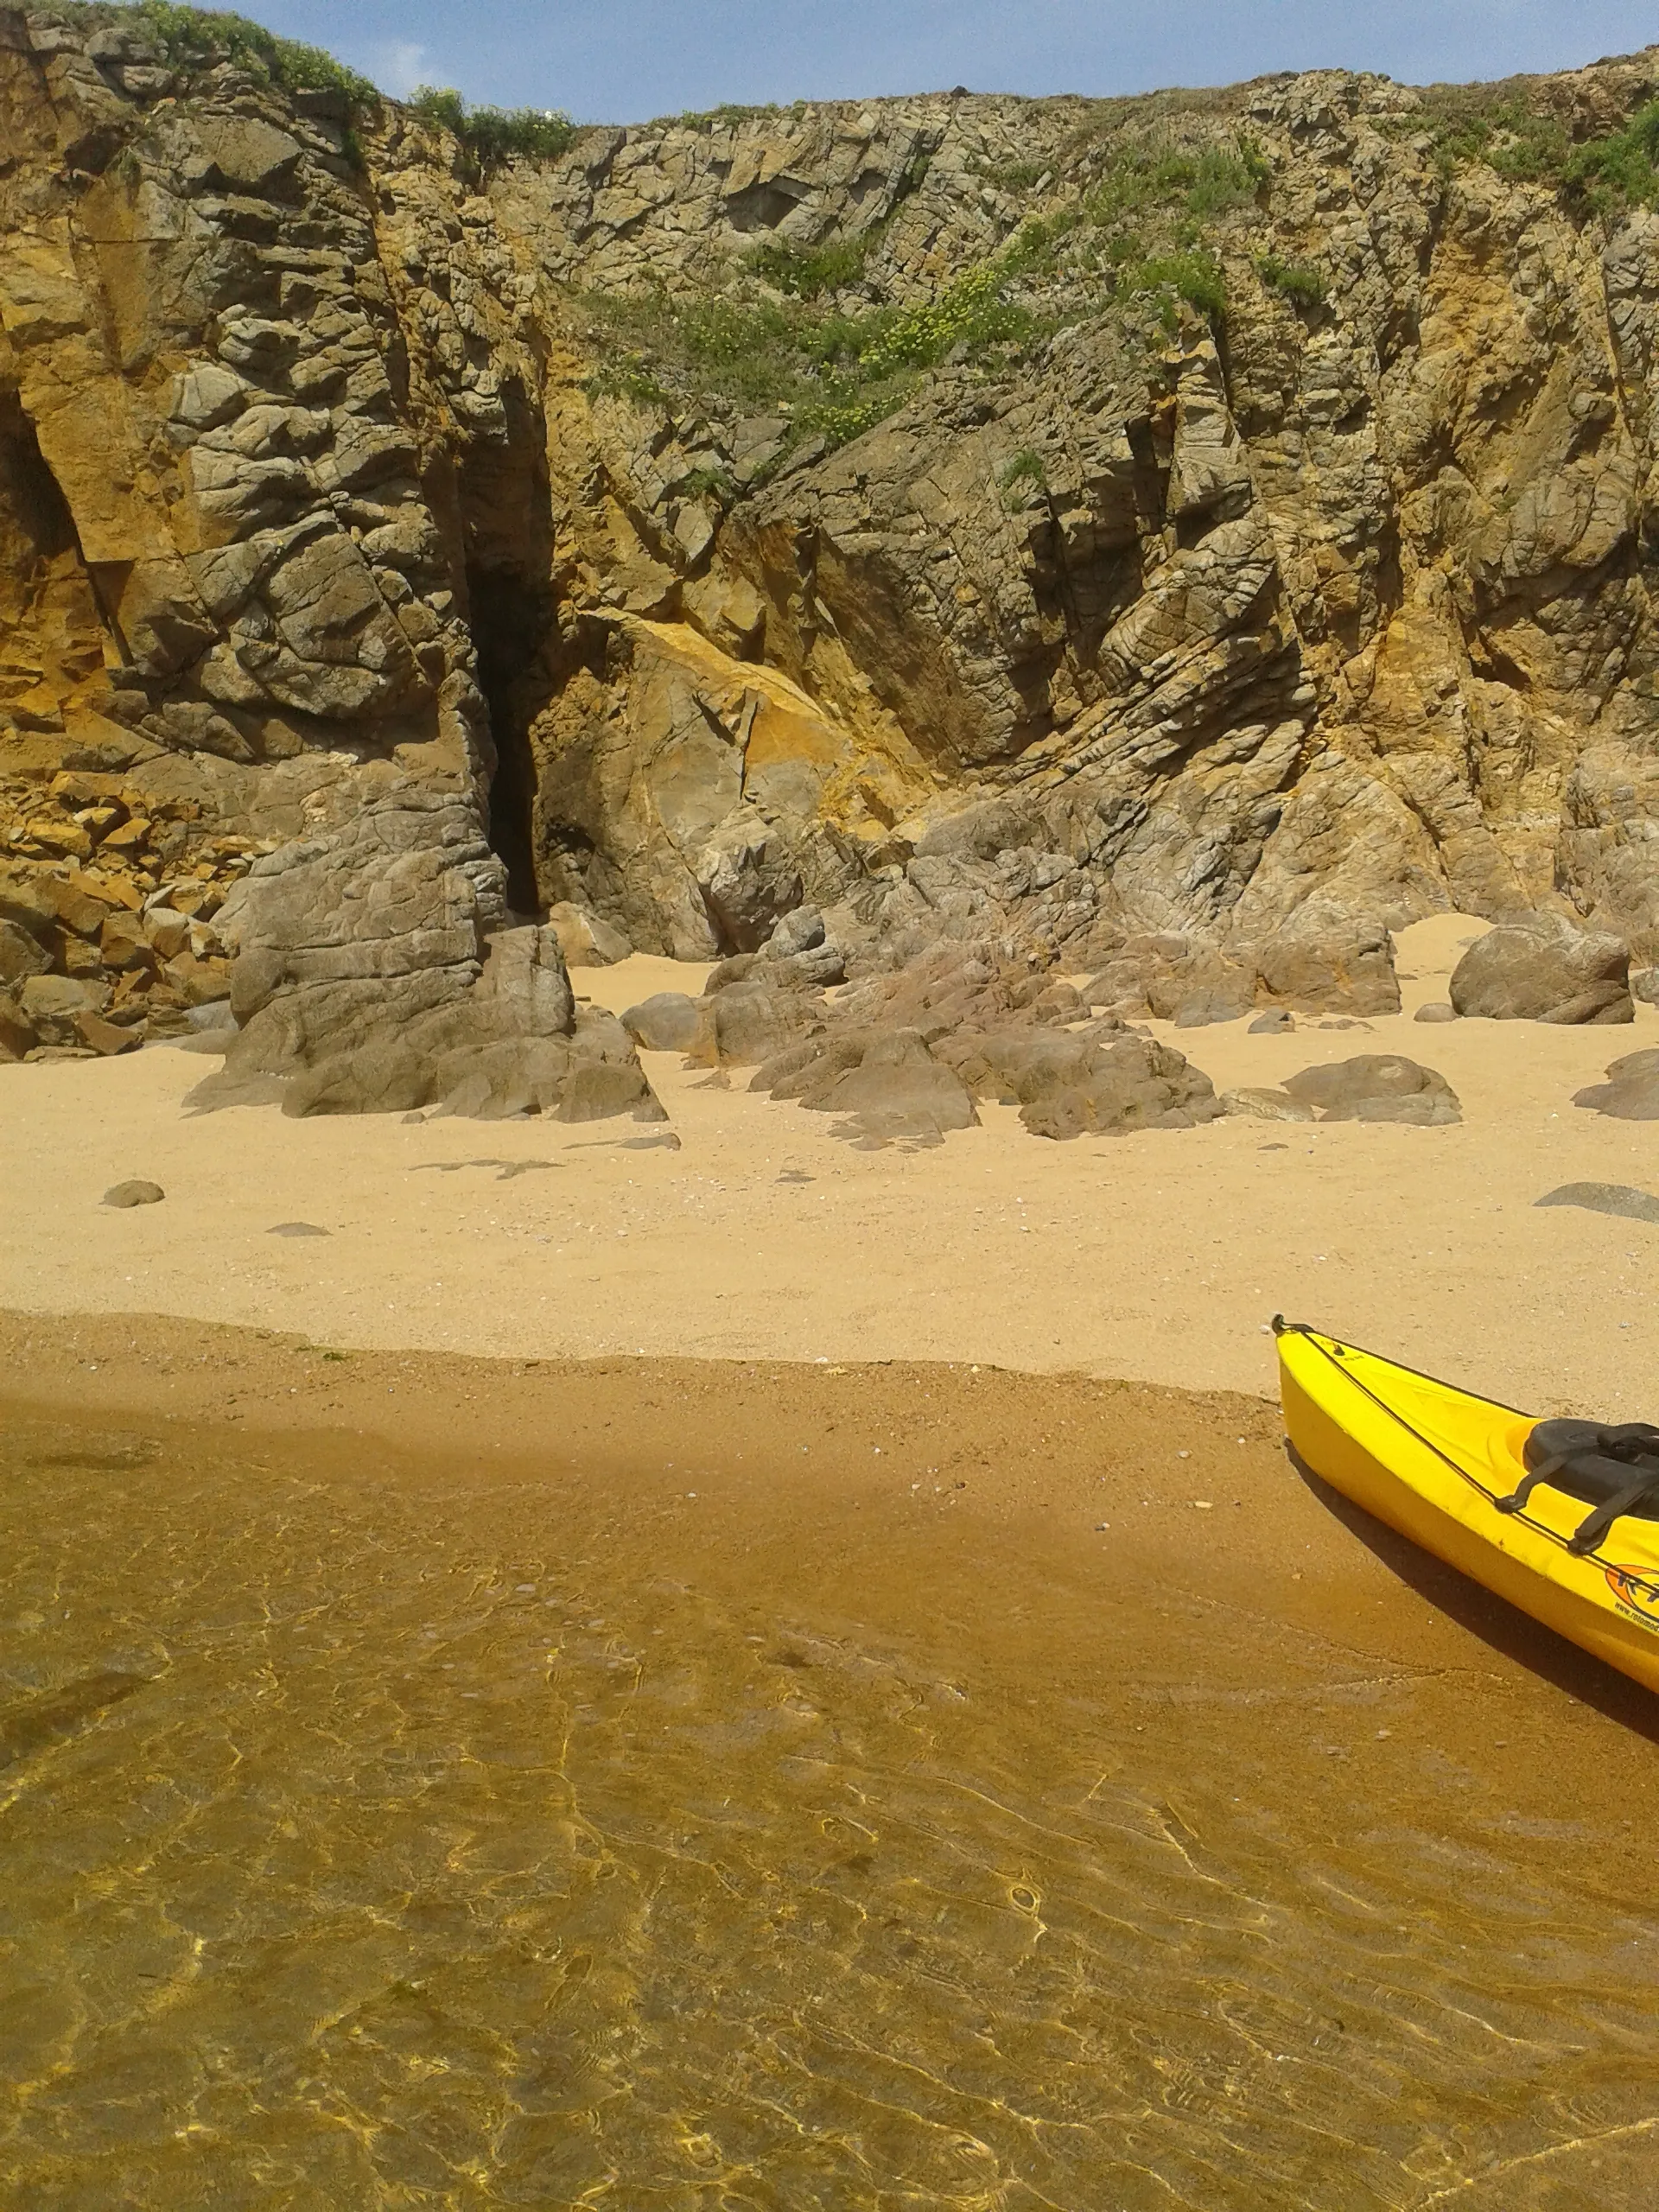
column 1158, row 1256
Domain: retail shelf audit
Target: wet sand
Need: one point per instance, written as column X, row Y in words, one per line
column 1158, row 1256
column 1147, row 1496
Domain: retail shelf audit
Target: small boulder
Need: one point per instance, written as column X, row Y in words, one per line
column 1223, row 1002
column 1436, row 1010
column 1331, row 963
column 21, row 954
column 801, row 954
column 1203, row 987
column 52, row 1005
column 668, row 1021
column 887, row 1081
column 134, row 1193
column 801, row 930
column 1098, row 1081
column 1644, row 985
column 585, row 940
column 18, row 1034
column 1267, row 1104
column 1623, row 1199
column 747, row 1023
column 1377, row 1087
column 1174, row 978
column 1275, row 1022
column 1631, row 1090
column 1543, row 969
column 108, row 1038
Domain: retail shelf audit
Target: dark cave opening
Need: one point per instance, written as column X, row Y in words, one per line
column 510, row 620
column 29, row 490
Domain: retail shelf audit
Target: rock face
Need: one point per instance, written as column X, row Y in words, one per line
column 366, row 982
column 843, row 512
column 1544, row 971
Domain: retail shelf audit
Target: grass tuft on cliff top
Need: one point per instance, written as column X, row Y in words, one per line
column 494, row 135
column 192, row 39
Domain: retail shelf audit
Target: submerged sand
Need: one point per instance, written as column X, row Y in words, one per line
column 562, row 1763
column 1158, row 1256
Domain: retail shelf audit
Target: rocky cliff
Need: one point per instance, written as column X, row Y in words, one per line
column 1186, row 530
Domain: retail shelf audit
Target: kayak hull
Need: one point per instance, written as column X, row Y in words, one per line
column 1431, row 1461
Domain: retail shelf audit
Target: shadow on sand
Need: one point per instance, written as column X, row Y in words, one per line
column 1499, row 1625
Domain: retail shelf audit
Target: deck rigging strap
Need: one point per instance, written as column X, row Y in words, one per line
column 1630, row 1444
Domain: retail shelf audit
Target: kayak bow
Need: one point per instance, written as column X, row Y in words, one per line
column 1451, row 1471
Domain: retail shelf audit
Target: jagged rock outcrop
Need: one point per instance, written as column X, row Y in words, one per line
column 885, row 1082
column 1058, row 607
column 368, row 980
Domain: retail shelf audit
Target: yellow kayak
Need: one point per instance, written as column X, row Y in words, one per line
column 1561, row 1517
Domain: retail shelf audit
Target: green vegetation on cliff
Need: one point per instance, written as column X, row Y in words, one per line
column 1502, row 126
column 191, row 39
column 494, row 135
column 1295, row 279
column 833, row 374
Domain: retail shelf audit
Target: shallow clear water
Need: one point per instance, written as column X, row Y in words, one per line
column 373, row 1842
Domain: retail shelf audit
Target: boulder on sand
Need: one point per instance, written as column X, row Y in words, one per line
column 1543, row 969
column 1631, row 1090
column 1377, row 1087
column 373, row 975
column 1330, row 963
column 1262, row 1103
column 668, row 1021
column 748, row 1023
column 585, row 940
column 1099, row 1082
column 1324, row 962
column 52, row 1006
column 137, row 1192
column 18, row 1034
column 885, row 1081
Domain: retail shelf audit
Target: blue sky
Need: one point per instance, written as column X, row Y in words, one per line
column 625, row 61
